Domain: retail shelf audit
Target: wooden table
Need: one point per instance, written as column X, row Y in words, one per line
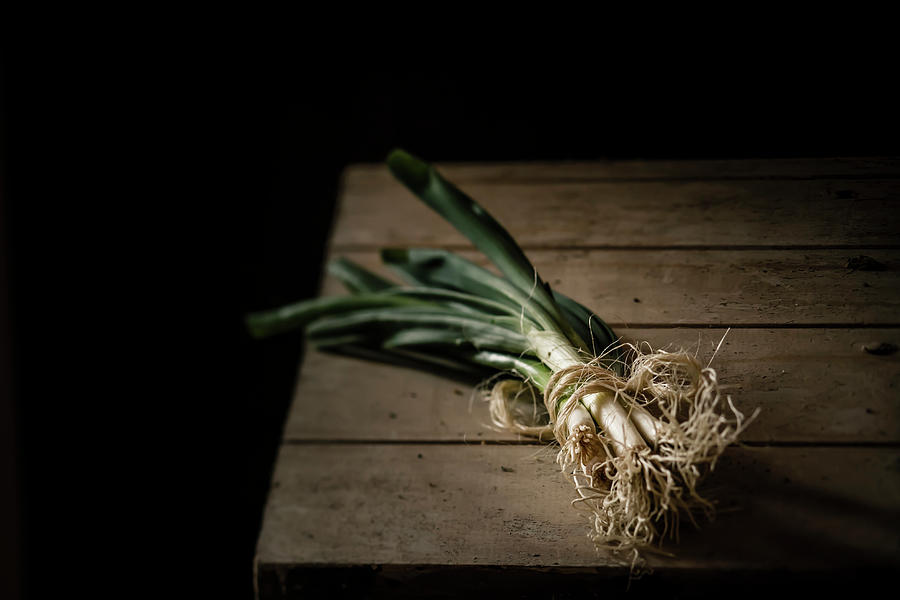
column 389, row 482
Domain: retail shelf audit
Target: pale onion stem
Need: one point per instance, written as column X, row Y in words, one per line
column 645, row 423
column 603, row 409
column 614, row 421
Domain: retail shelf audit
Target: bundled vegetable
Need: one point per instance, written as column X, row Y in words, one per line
column 637, row 429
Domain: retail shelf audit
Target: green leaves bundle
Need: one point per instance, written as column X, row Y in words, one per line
column 637, row 430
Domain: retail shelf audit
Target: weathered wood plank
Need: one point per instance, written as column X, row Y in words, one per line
column 382, row 477
column 633, row 214
column 714, row 287
column 398, row 582
column 812, row 385
column 362, row 505
column 372, row 174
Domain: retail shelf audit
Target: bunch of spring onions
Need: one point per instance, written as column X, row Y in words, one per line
column 637, row 429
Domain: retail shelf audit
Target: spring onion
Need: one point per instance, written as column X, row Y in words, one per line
column 637, row 428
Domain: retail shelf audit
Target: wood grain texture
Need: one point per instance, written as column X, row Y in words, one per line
column 811, row 385
column 390, row 479
column 634, row 214
column 387, row 504
column 713, row 287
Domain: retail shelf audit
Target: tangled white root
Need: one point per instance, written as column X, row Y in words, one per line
column 635, row 496
column 514, row 407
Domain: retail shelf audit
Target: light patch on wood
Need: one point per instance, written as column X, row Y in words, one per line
column 810, row 384
column 455, row 505
column 637, row 214
column 712, row 287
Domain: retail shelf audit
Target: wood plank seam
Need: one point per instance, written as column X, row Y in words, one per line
column 886, row 176
column 565, row 247
column 292, row 441
column 884, row 167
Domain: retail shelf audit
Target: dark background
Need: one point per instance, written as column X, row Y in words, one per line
column 149, row 202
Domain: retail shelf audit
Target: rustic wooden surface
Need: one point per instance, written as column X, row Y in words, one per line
column 390, row 483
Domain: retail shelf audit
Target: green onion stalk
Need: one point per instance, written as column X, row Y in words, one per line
column 637, row 429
